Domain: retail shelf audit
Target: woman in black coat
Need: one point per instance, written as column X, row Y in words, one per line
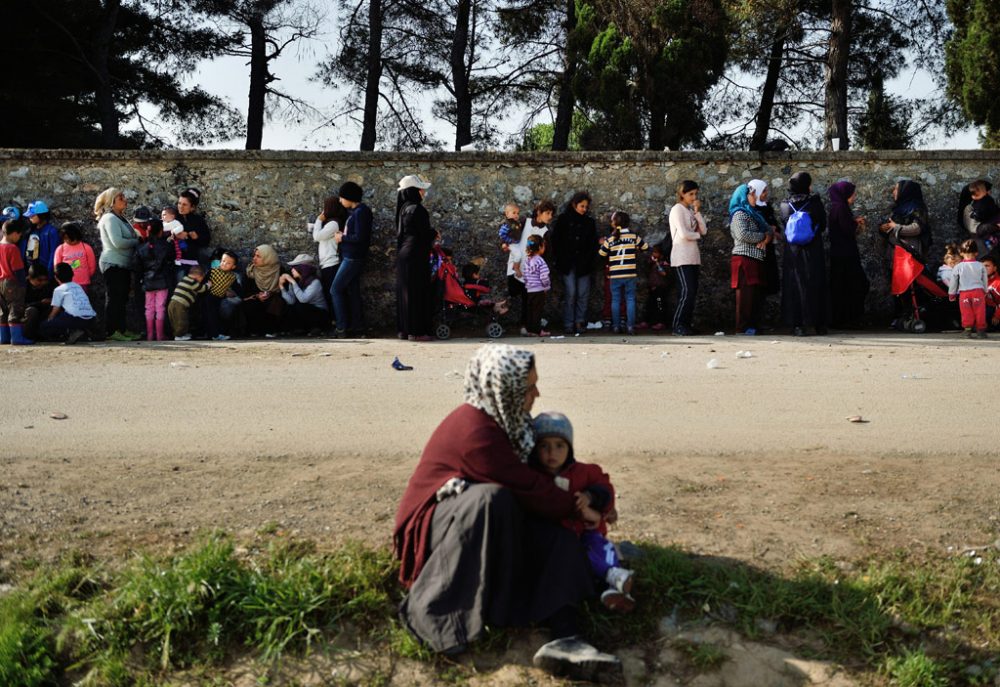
column 574, row 247
column 414, row 240
column 803, row 287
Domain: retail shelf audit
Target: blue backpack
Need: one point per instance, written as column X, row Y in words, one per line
column 799, row 228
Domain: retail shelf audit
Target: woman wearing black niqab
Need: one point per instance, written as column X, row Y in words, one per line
column 803, row 284
column 414, row 240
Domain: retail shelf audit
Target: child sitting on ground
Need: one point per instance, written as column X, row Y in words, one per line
column 186, row 293
column 37, row 298
column 536, row 282
column 72, row 315
column 75, row 251
column 12, row 282
column 511, row 227
column 222, row 285
column 553, row 454
column 968, row 286
column 658, row 290
column 948, row 262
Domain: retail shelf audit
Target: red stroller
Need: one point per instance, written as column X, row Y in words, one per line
column 929, row 299
column 457, row 306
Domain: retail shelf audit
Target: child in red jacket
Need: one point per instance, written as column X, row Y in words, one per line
column 553, row 453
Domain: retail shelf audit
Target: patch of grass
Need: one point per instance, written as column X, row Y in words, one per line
column 915, row 669
column 26, row 657
column 703, row 656
column 862, row 617
column 292, row 599
column 916, row 620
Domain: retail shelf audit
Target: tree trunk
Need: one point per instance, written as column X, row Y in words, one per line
column 374, row 76
column 838, row 55
column 766, row 108
column 104, row 93
column 567, row 103
column 258, row 83
column 460, row 76
column 657, row 113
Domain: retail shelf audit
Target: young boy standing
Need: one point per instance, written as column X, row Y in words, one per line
column 13, row 279
column 72, row 315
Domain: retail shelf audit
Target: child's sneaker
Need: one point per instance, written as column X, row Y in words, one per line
column 182, row 337
column 969, row 333
column 220, row 337
column 118, row 336
column 982, row 335
column 620, row 579
column 617, row 601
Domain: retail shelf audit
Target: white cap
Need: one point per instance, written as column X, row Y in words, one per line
column 413, row 181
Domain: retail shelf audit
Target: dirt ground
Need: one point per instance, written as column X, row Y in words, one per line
column 753, row 460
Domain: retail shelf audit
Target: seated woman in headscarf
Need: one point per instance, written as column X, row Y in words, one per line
column 263, row 306
column 803, row 282
column 909, row 222
column 302, row 291
column 751, row 236
column 477, row 530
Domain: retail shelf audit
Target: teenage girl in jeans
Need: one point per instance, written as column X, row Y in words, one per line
column 687, row 226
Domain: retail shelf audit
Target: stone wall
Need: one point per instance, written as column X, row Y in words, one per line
column 252, row 198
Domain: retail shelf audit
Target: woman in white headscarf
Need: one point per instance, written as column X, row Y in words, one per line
column 477, row 530
column 772, row 278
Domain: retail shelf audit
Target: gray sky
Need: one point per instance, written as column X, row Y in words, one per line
column 229, row 77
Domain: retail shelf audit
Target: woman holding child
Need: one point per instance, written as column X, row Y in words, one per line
column 414, row 241
column 477, row 530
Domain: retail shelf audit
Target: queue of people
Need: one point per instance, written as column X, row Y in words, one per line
column 193, row 288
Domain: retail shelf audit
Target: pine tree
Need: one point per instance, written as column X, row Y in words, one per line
column 885, row 124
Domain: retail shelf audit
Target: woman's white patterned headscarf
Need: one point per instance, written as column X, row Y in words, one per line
column 496, row 382
column 758, row 186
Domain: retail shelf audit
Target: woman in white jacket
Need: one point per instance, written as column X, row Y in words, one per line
column 329, row 222
column 687, row 226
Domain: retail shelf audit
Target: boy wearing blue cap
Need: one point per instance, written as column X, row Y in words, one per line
column 44, row 237
column 553, row 454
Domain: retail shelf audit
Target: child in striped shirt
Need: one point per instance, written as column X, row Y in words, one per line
column 621, row 249
column 185, row 294
column 536, row 283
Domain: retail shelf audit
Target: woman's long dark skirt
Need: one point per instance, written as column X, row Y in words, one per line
column 848, row 288
column 491, row 563
column 803, row 287
column 413, row 296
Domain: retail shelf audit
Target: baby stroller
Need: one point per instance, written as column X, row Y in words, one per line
column 458, row 307
column 911, row 282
